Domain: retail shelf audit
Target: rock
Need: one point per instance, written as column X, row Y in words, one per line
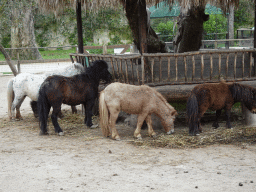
column 241, row 184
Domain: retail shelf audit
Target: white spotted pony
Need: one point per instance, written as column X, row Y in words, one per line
column 27, row 84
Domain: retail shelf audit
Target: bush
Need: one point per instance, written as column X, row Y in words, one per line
column 216, row 24
column 166, row 31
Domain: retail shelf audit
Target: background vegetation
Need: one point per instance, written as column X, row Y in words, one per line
column 62, row 30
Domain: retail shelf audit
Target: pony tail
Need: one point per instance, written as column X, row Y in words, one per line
column 192, row 114
column 43, row 110
column 10, row 97
column 104, row 115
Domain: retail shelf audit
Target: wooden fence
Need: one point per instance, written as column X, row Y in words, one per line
column 173, row 68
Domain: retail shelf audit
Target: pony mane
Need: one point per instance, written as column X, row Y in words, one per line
column 243, row 93
column 96, row 66
column 161, row 97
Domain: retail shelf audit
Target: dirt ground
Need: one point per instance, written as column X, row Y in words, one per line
column 83, row 160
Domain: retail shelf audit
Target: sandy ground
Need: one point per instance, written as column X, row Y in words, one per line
column 30, row 162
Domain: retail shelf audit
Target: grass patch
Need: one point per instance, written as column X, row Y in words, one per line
column 57, row 54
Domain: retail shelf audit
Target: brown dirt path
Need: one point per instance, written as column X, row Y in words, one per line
column 29, row 162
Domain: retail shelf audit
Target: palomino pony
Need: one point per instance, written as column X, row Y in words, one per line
column 142, row 100
column 27, row 84
column 75, row 90
column 217, row 96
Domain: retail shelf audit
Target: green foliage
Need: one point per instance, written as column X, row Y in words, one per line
column 166, row 31
column 6, row 40
column 108, row 19
column 216, row 24
column 244, row 15
column 57, row 54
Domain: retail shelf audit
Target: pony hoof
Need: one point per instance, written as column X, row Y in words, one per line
column 94, row 126
column 43, row 133
column 139, row 138
column 154, row 136
column 116, row 138
column 61, row 133
column 170, row 132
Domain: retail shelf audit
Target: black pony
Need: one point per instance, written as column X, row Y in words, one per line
column 217, row 96
column 75, row 90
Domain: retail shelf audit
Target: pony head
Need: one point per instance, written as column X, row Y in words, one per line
column 168, row 119
column 246, row 94
column 99, row 70
column 250, row 101
column 166, row 112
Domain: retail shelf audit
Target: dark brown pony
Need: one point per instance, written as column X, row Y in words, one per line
column 217, row 96
column 75, row 90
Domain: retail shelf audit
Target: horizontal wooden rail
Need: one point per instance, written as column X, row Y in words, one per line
column 178, row 68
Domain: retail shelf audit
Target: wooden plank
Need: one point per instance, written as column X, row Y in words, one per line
column 176, row 68
column 219, row 66
column 160, row 69
column 186, row 70
column 142, row 70
column 211, row 66
column 202, row 67
column 243, row 66
column 126, row 72
column 152, row 69
column 137, row 70
column 227, row 65
column 169, row 68
column 235, row 66
column 71, row 58
column 113, row 69
column 121, row 70
column 126, row 47
column 250, row 74
column 132, row 71
column 193, row 67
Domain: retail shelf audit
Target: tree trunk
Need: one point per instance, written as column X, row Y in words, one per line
column 22, row 31
column 190, row 31
column 79, row 27
column 231, row 24
column 8, row 60
column 154, row 44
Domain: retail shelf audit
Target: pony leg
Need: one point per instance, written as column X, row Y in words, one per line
column 140, row 121
column 88, row 114
column 112, row 124
column 74, row 110
column 200, row 115
column 228, row 124
column 55, row 123
column 16, row 105
column 43, row 117
column 33, row 105
column 216, row 122
column 151, row 131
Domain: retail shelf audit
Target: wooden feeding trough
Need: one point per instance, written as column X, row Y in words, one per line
column 175, row 74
